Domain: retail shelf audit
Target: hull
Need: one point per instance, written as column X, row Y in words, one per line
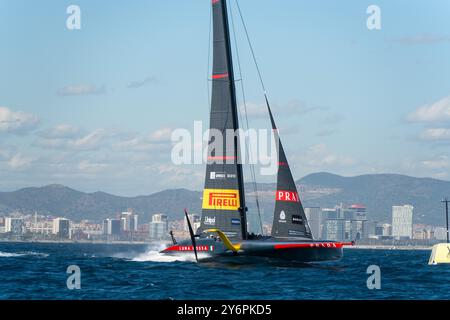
column 269, row 248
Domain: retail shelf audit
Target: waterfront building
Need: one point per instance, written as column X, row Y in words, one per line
column 334, row 229
column 159, row 227
column 14, row 225
column 328, row 213
column 345, row 223
column 61, row 228
column 402, row 217
column 128, row 221
column 44, row 227
column 111, row 227
column 440, row 233
column 385, row 230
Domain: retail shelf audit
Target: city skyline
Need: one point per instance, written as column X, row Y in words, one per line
column 350, row 222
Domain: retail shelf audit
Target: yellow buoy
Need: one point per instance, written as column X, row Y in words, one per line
column 440, row 254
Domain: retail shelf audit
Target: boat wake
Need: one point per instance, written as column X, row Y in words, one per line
column 156, row 256
column 22, row 254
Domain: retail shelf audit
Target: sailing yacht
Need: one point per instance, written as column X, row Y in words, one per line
column 223, row 230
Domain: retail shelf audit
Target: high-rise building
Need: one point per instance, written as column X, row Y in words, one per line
column 111, row 227
column 14, row 225
column 345, row 223
column 440, row 233
column 61, row 228
column 402, row 217
column 159, row 227
column 383, row 230
column 334, row 229
column 314, row 217
column 328, row 213
column 359, row 212
column 128, row 221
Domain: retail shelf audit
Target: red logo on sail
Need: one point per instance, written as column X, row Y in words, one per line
column 290, row 196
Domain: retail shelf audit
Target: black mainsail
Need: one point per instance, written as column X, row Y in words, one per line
column 289, row 218
column 223, row 204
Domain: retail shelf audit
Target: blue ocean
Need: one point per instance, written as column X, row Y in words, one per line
column 39, row 271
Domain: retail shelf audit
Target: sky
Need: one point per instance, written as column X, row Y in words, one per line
column 94, row 108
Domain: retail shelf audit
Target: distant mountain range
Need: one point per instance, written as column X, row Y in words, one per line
column 379, row 192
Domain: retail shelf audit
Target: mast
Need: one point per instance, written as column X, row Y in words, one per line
column 223, row 204
column 240, row 176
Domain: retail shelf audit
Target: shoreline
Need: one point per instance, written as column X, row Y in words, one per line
column 83, row 242
column 388, row 247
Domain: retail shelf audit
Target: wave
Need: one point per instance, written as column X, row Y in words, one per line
column 22, row 254
column 156, row 256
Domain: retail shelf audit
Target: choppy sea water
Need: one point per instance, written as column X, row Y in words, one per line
column 38, row 271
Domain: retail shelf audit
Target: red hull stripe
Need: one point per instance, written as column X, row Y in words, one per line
column 215, row 1
column 324, row 245
column 190, row 248
column 220, row 76
column 283, row 164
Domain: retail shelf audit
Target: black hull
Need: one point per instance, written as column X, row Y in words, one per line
column 268, row 248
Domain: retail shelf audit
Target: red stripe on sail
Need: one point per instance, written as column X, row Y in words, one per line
column 215, row 1
column 220, row 76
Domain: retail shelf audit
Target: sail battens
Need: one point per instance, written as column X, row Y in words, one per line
column 223, row 194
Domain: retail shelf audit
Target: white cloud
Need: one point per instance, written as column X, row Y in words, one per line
column 156, row 140
column 80, row 90
column 320, row 157
column 436, row 134
column 61, row 131
column 441, row 175
column 438, row 111
column 72, row 138
column 91, row 140
column 191, row 176
column 19, row 162
column 16, row 121
column 440, row 162
column 86, row 166
column 161, row 135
